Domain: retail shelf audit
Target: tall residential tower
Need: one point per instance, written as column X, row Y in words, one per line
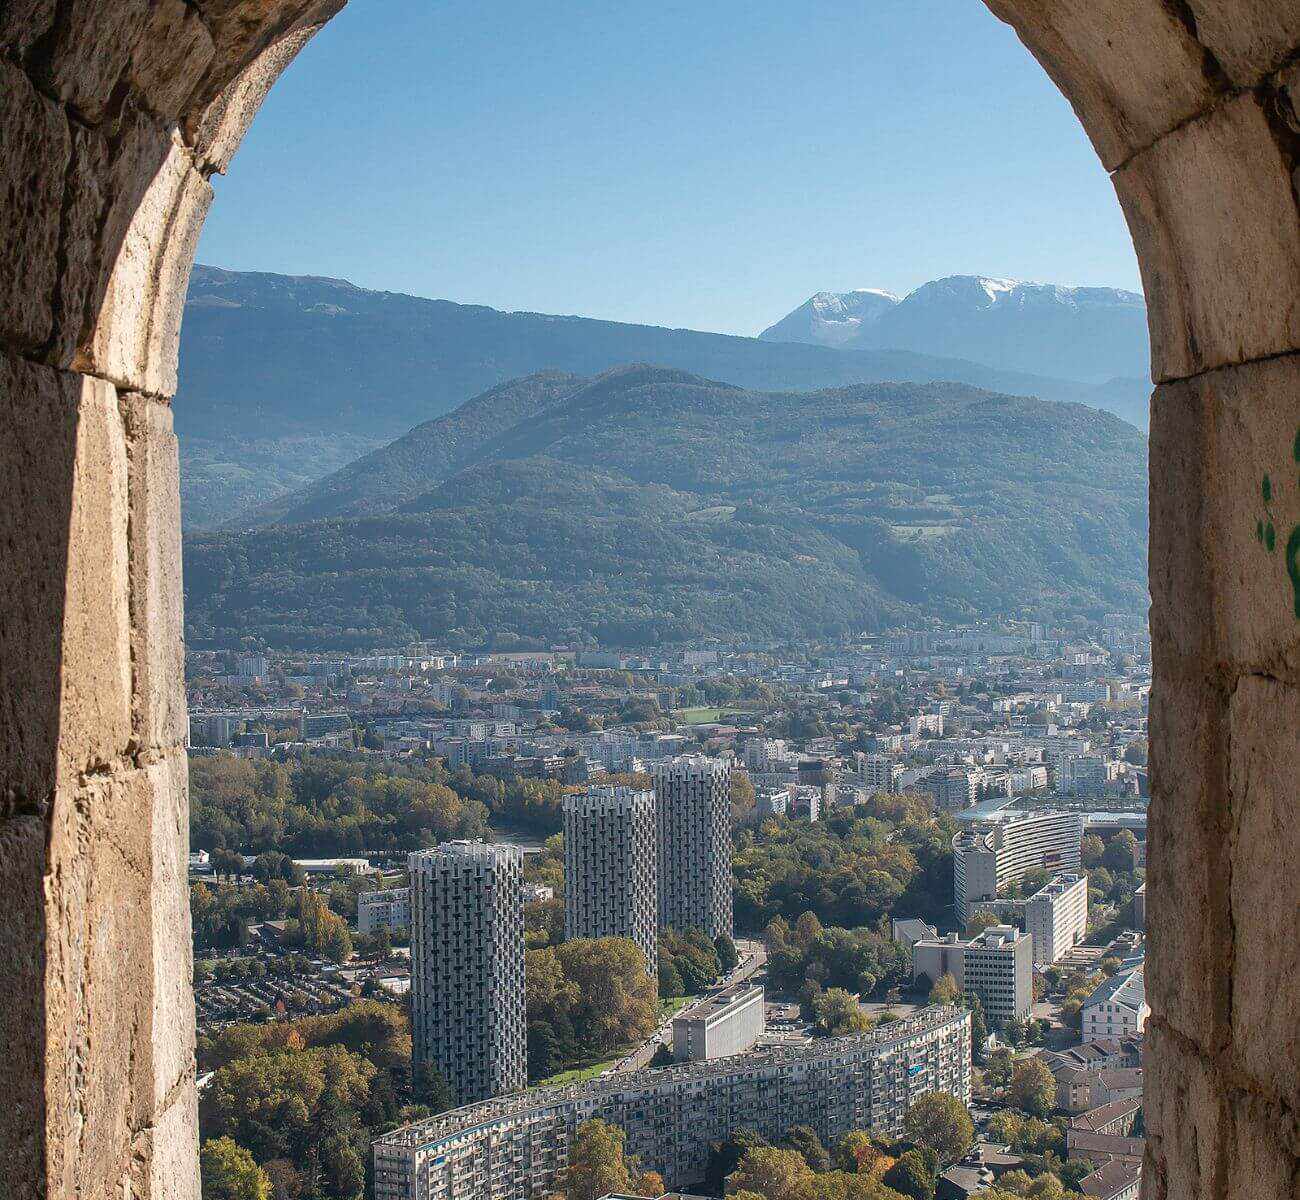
column 611, row 868
column 693, row 802
column 467, row 968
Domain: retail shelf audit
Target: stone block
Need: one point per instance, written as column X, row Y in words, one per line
column 1265, row 732
column 22, row 1015
column 170, row 1152
column 1225, row 518
column 1185, row 1115
column 99, row 982
column 95, row 700
column 34, row 155
column 37, row 458
column 137, row 335
column 1213, row 217
column 89, row 52
column 157, row 630
column 1130, row 68
column 168, row 81
column 1248, row 38
column 23, row 23
column 172, row 1024
column 216, row 134
column 111, row 171
column 1189, row 927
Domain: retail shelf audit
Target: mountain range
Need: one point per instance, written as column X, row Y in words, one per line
column 285, row 379
column 648, row 504
column 1092, row 334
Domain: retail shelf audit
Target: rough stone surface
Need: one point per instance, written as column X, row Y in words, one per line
column 1265, row 733
column 1248, row 38
column 157, row 626
column 1225, row 576
column 95, row 704
column 22, row 1013
column 34, row 154
column 136, row 341
column 1188, row 859
column 1130, row 68
column 37, row 458
column 1220, row 257
column 221, row 128
column 1184, row 1113
column 172, row 1022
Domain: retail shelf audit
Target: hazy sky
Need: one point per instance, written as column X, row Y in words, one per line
column 706, row 165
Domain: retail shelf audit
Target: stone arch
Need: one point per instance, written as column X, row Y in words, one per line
column 116, row 112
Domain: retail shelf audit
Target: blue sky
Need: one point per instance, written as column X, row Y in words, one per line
column 699, row 165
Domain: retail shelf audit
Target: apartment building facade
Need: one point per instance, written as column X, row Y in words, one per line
column 693, row 810
column 515, row 1148
column 611, row 868
column 467, row 967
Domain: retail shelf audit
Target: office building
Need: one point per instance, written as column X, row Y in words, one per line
column 954, row 790
column 314, row 725
column 693, row 806
column 726, row 1024
column 1056, row 916
column 516, row 1148
column 387, row 909
column 998, row 968
column 994, row 849
column 611, row 868
column 467, row 967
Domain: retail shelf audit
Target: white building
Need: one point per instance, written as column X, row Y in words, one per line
column 998, row 969
column 726, row 1024
column 1118, row 1007
column 1056, row 916
column 388, row 909
column 611, row 868
column 467, row 967
column 995, row 849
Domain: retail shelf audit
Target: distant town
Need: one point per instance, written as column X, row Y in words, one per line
column 686, row 911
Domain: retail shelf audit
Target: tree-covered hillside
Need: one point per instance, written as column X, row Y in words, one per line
column 651, row 505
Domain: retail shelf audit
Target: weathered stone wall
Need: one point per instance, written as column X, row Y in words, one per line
column 115, row 113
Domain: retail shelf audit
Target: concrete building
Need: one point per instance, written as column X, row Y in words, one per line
column 1056, row 916
column 879, row 772
column 693, row 808
column 314, row 725
column 953, row 790
column 998, row 969
column 933, row 958
column 611, row 868
column 726, row 1024
column 1140, row 905
column 387, row 909
column 1118, row 1007
column 994, row 849
column 515, row 1148
column 467, row 967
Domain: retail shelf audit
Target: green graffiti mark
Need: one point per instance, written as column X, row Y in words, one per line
column 1295, row 449
column 1293, row 567
column 1267, row 488
column 1270, row 537
column 1259, row 531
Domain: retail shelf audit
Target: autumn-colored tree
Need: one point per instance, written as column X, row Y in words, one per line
column 940, row 1123
column 773, row 1173
column 597, row 1166
column 229, row 1172
column 839, row 1014
column 1032, row 1088
column 945, row 991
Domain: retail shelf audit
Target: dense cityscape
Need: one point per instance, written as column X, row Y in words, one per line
column 858, row 920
